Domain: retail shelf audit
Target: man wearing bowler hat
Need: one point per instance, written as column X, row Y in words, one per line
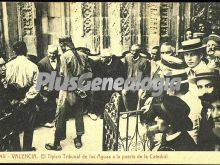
column 212, row 42
column 73, row 64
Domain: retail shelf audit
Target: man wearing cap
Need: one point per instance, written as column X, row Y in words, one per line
column 207, row 81
column 48, row 64
column 213, row 50
column 212, row 41
column 73, row 64
column 23, row 73
column 134, row 63
column 109, row 66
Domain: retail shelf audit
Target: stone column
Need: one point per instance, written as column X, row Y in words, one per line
column 187, row 14
column 176, row 22
column 26, row 25
column 76, row 23
column 153, row 11
column 115, row 28
column 10, row 21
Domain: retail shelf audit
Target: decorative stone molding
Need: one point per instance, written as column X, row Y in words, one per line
column 26, row 30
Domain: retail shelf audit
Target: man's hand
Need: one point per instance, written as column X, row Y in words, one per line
column 22, row 103
column 147, row 105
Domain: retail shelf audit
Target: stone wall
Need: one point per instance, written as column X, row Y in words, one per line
column 99, row 25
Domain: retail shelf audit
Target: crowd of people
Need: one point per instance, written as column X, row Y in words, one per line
column 181, row 120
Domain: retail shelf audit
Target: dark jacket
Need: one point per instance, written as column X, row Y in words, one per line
column 45, row 66
column 102, row 70
column 206, row 137
column 183, row 142
column 114, row 70
column 133, row 67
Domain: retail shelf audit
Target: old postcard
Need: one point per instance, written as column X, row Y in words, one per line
column 110, row 82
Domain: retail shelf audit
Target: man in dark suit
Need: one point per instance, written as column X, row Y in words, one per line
column 48, row 64
column 109, row 66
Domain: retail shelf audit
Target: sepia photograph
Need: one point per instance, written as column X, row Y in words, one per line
column 110, row 82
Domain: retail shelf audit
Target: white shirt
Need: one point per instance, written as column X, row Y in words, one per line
column 23, row 73
column 191, row 74
column 195, row 106
column 53, row 63
column 201, row 65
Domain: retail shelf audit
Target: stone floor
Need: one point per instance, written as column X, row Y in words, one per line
column 92, row 139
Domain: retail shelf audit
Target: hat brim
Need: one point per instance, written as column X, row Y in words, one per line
column 103, row 55
column 184, row 82
column 214, row 38
column 180, row 125
column 178, row 72
column 193, row 80
column 188, row 50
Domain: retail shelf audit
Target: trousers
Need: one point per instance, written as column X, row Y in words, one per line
column 68, row 100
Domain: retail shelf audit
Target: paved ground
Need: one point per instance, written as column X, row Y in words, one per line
column 92, row 139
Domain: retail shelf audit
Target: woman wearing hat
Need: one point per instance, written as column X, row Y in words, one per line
column 172, row 120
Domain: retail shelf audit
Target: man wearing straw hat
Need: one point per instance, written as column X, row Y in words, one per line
column 193, row 51
column 168, row 61
column 207, row 81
